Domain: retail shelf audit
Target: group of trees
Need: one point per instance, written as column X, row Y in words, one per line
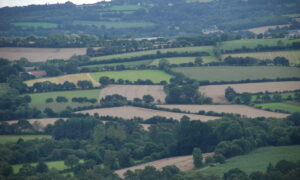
column 250, row 61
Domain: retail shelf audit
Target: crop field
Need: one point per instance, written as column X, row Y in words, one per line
column 292, row 56
column 237, row 73
column 74, row 78
column 280, row 106
column 58, row 165
column 155, row 76
column 42, row 122
column 257, row 160
column 252, row 43
column 126, row 64
column 114, row 24
column 264, row 29
column 14, row 138
column 184, row 163
column 135, row 91
column 235, row 109
column 39, row 54
column 129, row 112
column 35, row 25
column 217, row 92
column 208, row 49
column 180, row 60
column 40, row 98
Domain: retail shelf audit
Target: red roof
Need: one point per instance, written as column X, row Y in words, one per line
column 38, row 73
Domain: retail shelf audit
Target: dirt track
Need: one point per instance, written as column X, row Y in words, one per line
column 235, row 109
column 184, row 163
column 217, row 92
column 135, row 91
column 40, row 54
column 129, row 112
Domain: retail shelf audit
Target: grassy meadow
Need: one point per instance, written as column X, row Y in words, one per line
column 126, row 64
column 292, row 56
column 132, row 75
column 114, row 24
column 4, row 88
column 125, row 8
column 257, row 160
column 237, row 73
column 35, row 25
column 291, row 108
column 58, row 165
column 180, row 60
column 14, row 138
column 208, row 49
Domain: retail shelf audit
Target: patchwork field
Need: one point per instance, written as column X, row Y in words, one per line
column 257, row 160
column 252, row 43
column 292, row 56
column 74, row 78
column 110, row 24
column 180, row 60
column 217, row 92
column 14, row 138
column 129, row 112
column 155, row 76
column 237, row 73
column 39, row 54
column 208, row 49
column 135, row 91
column 264, row 29
column 35, row 25
column 40, row 98
column 235, row 109
column 280, row 106
column 184, row 163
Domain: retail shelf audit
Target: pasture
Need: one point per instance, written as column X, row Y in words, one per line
column 39, row 54
column 58, row 165
column 74, row 78
column 129, row 112
column 155, row 76
column 125, row 8
column 114, row 24
column 292, row 56
column 237, row 73
column 235, row 109
column 291, row 108
column 208, row 49
column 40, row 98
column 135, row 91
column 35, row 25
column 4, row 88
column 184, row 163
column 256, row 160
column 180, row 60
column 252, row 43
column 217, row 92
column 126, row 64
column 14, row 138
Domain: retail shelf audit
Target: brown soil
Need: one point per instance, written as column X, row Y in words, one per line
column 217, row 92
column 235, row 109
column 184, row 163
column 129, row 112
column 135, row 91
column 264, row 29
column 40, row 54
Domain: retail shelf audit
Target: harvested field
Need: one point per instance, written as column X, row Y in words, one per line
column 217, row 92
column 264, row 29
column 135, row 91
column 184, row 163
column 129, row 112
column 43, row 122
column 40, row 54
column 74, row 78
column 235, row 109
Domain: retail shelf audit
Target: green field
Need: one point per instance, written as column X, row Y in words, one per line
column 4, row 88
column 292, row 15
column 154, row 75
column 180, row 60
column 115, row 24
column 292, row 56
column 35, row 25
column 39, row 98
column 14, row 138
column 291, row 108
column 126, row 64
column 252, row 43
column 208, row 49
column 58, row 165
column 125, row 8
column 236, row 73
column 284, row 96
column 201, row 1
column 257, row 160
